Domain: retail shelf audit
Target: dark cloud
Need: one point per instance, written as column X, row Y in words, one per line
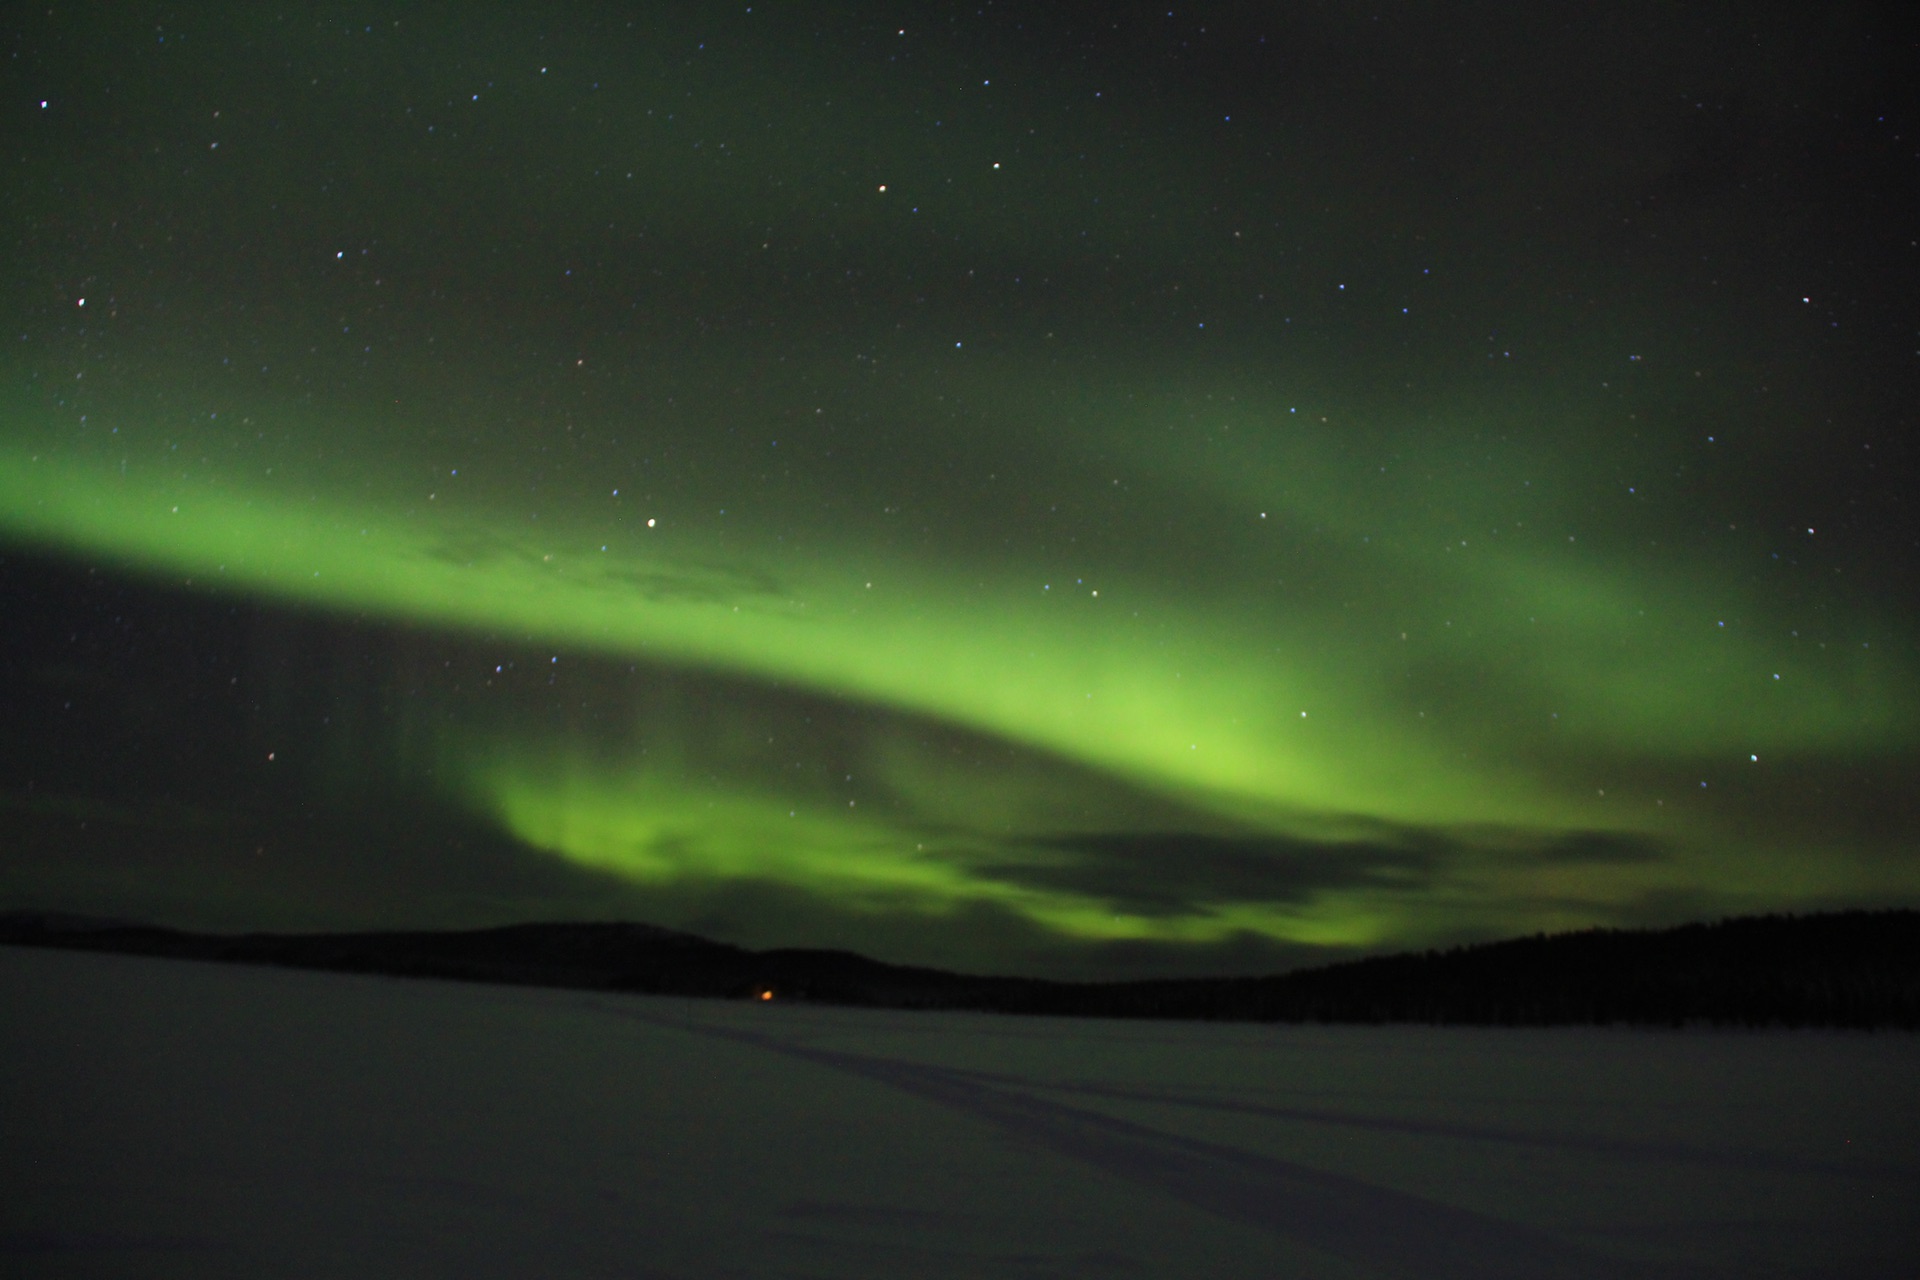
column 1177, row 873
column 699, row 584
column 1610, row 848
column 687, row 581
column 474, row 548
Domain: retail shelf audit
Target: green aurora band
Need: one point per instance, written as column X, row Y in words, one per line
column 1519, row 627
column 1596, row 699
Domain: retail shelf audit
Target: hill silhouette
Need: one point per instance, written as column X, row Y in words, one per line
column 1856, row 969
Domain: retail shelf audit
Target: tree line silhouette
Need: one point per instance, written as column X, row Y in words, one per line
column 1857, row 969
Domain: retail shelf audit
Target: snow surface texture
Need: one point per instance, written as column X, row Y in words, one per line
column 164, row 1118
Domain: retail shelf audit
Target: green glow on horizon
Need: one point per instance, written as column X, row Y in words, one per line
column 670, row 831
column 1295, row 715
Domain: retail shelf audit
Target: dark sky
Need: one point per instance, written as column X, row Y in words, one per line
column 1070, row 488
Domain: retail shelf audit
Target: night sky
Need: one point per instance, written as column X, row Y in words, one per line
column 1088, row 489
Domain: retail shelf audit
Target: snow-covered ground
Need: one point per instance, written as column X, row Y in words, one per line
column 163, row 1118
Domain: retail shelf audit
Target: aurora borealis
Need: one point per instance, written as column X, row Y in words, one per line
column 1073, row 488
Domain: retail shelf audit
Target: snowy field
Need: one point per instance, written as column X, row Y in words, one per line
column 164, row 1118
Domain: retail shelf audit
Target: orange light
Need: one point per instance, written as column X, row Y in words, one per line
column 766, row 995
